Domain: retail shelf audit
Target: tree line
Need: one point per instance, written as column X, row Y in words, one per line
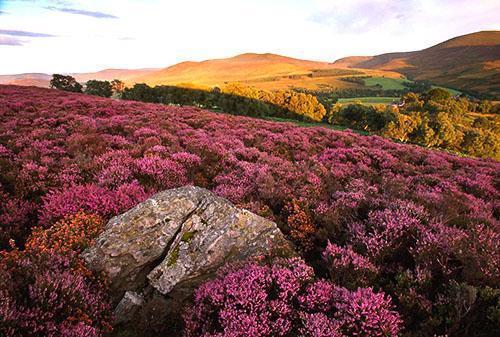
column 92, row 87
column 231, row 98
column 234, row 98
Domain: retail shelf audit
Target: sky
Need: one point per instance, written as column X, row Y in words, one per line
column 82, row 36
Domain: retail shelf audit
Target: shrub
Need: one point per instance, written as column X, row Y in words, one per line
column 284, row 299
column 347, row 267
column 91, row 199
column 47, row 290
column 74, row 233
column 45, row 294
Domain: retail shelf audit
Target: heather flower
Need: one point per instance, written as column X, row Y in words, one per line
column 284, row 299
column 42, row 294
column 347, row 267
column 91, row 199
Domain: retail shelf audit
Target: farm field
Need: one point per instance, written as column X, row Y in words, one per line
column 386, row 83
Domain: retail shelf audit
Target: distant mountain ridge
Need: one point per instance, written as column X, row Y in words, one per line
column 469, row 62
column 244, row 67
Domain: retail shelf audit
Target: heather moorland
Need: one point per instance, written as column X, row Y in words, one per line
column 392, row 239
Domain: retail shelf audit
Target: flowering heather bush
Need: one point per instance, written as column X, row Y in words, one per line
column 89, row 198
column 420, row 225
column 44, row 293
column 47, row 290
column 284, row 299
column 348, row 267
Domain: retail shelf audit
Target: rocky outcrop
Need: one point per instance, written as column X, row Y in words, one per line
column 174, row 240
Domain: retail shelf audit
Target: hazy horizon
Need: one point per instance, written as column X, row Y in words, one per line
column 52, row 36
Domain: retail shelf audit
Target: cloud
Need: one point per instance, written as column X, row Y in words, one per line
column 10, row 41
column 98, row 15
column 359, row 16
column 3, row 13
column 23, row 33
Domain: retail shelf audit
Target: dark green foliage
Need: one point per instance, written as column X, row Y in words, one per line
column 65, row 83
column 363, row 117
column 99, row 88
column 418, row 86
column 234, row 99
column 437, row 95
column 355, row 79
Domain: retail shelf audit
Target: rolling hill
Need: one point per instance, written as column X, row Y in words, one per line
column 28, row 79
column 261, row 70
column 470, row 62
column 111, row 74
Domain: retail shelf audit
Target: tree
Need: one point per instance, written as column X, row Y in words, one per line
column 400, row 127
column 450, row 137
column 117, row 86
column 481, row 143
column 485, row 106
column 65, row 83
column 437, row 94
column 99, row 88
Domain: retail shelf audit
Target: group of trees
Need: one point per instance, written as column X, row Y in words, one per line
column 232, row 98
column 235, row 99
column 92, row 87
column 431, row 119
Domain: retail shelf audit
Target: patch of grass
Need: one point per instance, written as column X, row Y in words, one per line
column 386, row 83
column 368, row 100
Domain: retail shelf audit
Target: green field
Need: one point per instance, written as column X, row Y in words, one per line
column 397, row 84
column 386, row 83
column 368, row 100
column 451, row 91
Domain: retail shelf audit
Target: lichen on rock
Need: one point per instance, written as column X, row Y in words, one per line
column 178, row 238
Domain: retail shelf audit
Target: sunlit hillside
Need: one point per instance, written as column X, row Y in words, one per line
column 469, row 62
column 265, row 71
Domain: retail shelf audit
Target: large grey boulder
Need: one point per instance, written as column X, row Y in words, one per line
column 176, row 239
